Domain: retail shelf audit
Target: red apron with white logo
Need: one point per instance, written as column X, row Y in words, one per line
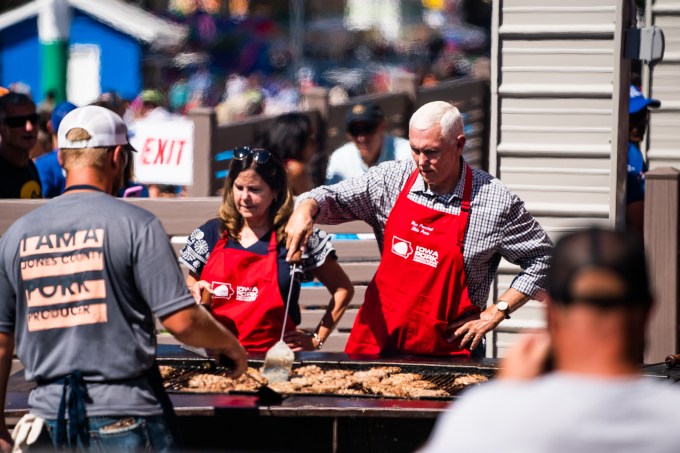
column 420, row 285
column 251, row 305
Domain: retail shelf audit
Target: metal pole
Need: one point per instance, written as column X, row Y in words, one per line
column 297, row 12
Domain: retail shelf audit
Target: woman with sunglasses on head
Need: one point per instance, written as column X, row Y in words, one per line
column 240, row 259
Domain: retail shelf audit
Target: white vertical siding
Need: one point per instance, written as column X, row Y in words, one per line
column 663, row 83
column 559, row 87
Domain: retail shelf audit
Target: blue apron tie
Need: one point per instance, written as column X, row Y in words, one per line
column 77, row 416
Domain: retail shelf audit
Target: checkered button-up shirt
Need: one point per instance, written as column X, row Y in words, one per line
column 499, row 225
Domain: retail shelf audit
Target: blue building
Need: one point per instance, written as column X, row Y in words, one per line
column 105, row 45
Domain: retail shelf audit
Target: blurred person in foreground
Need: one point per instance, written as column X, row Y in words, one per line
column 19, row 177
column 369, row 144
column 240, row 258
column 442, row 228
column 81, row 279
column 594, row 397
column 52, row 176
column 292, row 137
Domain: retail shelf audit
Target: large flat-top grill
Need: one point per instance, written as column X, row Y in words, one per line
column 308, row 422
column 442, row 378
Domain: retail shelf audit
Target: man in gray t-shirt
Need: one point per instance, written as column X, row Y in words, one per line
column 80, row 280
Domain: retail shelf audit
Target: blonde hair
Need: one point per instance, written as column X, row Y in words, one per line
column 280, row 209
column 447, row 116
column 72, row 158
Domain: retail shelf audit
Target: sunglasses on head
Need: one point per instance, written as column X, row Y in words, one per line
column 362, row 129
column 20, row 121
column 259, row 155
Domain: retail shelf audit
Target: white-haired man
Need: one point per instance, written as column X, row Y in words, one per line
column 445, row 226
column 80, row 278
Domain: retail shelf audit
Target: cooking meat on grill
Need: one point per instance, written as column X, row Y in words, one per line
column 427, row 393
column 215, row 383
column 401, row 378
column 383, row 371
column 469, row 379
column 166, row 371
column 387, row 381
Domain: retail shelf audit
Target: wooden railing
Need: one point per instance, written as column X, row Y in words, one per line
column 212, row 141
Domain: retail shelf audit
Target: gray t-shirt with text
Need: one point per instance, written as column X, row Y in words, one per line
column 80, row 280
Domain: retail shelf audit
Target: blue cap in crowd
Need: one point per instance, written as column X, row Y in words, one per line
column 638, row 101
column 59, row 112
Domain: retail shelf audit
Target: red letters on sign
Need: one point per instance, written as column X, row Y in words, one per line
column 162, row 151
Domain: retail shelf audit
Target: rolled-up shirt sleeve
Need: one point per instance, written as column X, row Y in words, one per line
column 342, row 202
column 525, row 243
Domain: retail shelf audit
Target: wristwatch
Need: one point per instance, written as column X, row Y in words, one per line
column 504, row 308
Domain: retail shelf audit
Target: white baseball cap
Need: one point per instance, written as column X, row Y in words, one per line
column 106, row 128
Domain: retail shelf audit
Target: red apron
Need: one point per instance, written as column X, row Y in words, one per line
column 250, row 304
column 420, row 285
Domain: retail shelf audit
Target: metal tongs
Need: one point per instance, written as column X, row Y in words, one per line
column 278, row 362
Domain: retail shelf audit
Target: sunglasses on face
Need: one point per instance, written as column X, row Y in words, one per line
column 362, row 129
column 259, row 155
column 20, row 121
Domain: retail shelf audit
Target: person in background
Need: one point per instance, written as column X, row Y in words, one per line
column 442, row 228
column 48, row 104
column 369, row 144
column 292, row 137
column 112, row 101
column 81, row 278
column 577, row 387
column 638, row 118
column 165, row 191
column 240, row 258
column 153, row 105
column 51, row 173
column 43, row 143
column 131, row 188
column 179, row 95
column 19, row 177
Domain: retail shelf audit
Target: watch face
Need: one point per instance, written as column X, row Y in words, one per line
column 502, row 305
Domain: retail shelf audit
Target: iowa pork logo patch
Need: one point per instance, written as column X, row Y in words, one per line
column 401, row 247
column 222, row 290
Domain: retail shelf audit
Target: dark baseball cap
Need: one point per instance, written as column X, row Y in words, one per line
column 366, row 112
column 599, row 249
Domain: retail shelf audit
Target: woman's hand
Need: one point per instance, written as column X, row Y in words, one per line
column 197, row 289
column 299, row 340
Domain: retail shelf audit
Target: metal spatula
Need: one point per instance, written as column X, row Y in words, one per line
column 279, row 359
